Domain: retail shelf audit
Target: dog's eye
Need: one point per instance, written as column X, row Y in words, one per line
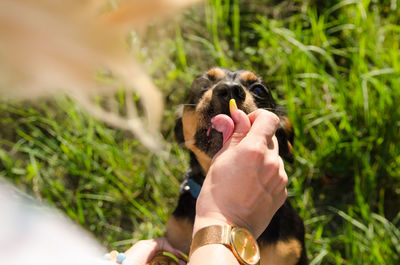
column 204, row 88
column 258, row 90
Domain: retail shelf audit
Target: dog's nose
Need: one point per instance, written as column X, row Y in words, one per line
column 227, row 90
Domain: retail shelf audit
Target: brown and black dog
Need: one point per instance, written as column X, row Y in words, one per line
column 282, row 243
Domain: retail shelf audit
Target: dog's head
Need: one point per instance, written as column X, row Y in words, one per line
column 209, row 96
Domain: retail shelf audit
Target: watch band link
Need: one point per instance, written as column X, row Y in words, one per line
column 211, row 235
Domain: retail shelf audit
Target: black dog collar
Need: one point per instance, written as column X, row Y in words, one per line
column 190, row 185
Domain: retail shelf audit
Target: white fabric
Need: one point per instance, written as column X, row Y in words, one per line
column 30, row 233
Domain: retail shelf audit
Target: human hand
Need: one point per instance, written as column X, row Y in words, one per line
column 144, row 251
column 246, row 183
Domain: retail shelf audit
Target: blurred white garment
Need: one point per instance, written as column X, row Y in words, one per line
column 31, row 233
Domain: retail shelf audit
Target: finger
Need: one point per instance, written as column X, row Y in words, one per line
column 143, row 251
column 242, row 125
column 272, row 146
column 140, row 253
column 281, row 198
column 164, row 245
column 242, row 122
column 281, row 179
column 264, row 124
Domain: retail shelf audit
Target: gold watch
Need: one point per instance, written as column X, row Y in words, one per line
column 239, row 240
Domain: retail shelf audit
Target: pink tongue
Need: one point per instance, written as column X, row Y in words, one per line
column 224, row 124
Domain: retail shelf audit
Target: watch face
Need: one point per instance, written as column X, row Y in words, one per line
column 245, row 246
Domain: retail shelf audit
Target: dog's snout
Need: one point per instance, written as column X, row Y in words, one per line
column 226, row 91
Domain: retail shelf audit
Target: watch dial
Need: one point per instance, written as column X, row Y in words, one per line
column 245, row 246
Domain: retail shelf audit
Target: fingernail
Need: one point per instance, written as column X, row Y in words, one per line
column 121, row 257
column 232, row 105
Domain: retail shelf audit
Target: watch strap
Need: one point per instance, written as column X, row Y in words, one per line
column 216, row 234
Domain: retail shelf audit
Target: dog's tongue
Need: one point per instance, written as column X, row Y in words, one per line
column 224, row 124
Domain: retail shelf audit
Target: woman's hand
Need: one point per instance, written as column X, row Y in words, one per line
column 246, row 183
column 143, row 251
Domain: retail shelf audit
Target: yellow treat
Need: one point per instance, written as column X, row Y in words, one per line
column 232, row 105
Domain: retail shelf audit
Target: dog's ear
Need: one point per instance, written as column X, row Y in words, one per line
column 178, row 130
column 285, row 136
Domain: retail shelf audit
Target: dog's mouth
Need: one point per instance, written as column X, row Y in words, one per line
column 217, row 125
column 215, row 132
column 223, row 124
column 207, row 137
column 209, row 130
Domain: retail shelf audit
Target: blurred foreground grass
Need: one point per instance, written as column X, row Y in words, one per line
column 335, row 65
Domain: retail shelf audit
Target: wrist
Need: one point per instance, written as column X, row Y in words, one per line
column 238, row 241
column 201, row 222
column 213, row 253
column 218, row 219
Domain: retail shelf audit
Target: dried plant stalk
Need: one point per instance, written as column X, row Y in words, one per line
column 49, row 47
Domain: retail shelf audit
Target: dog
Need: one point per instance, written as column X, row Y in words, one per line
column 282, row 243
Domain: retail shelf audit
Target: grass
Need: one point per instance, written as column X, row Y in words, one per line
column 89, row 171
column 333, row 64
